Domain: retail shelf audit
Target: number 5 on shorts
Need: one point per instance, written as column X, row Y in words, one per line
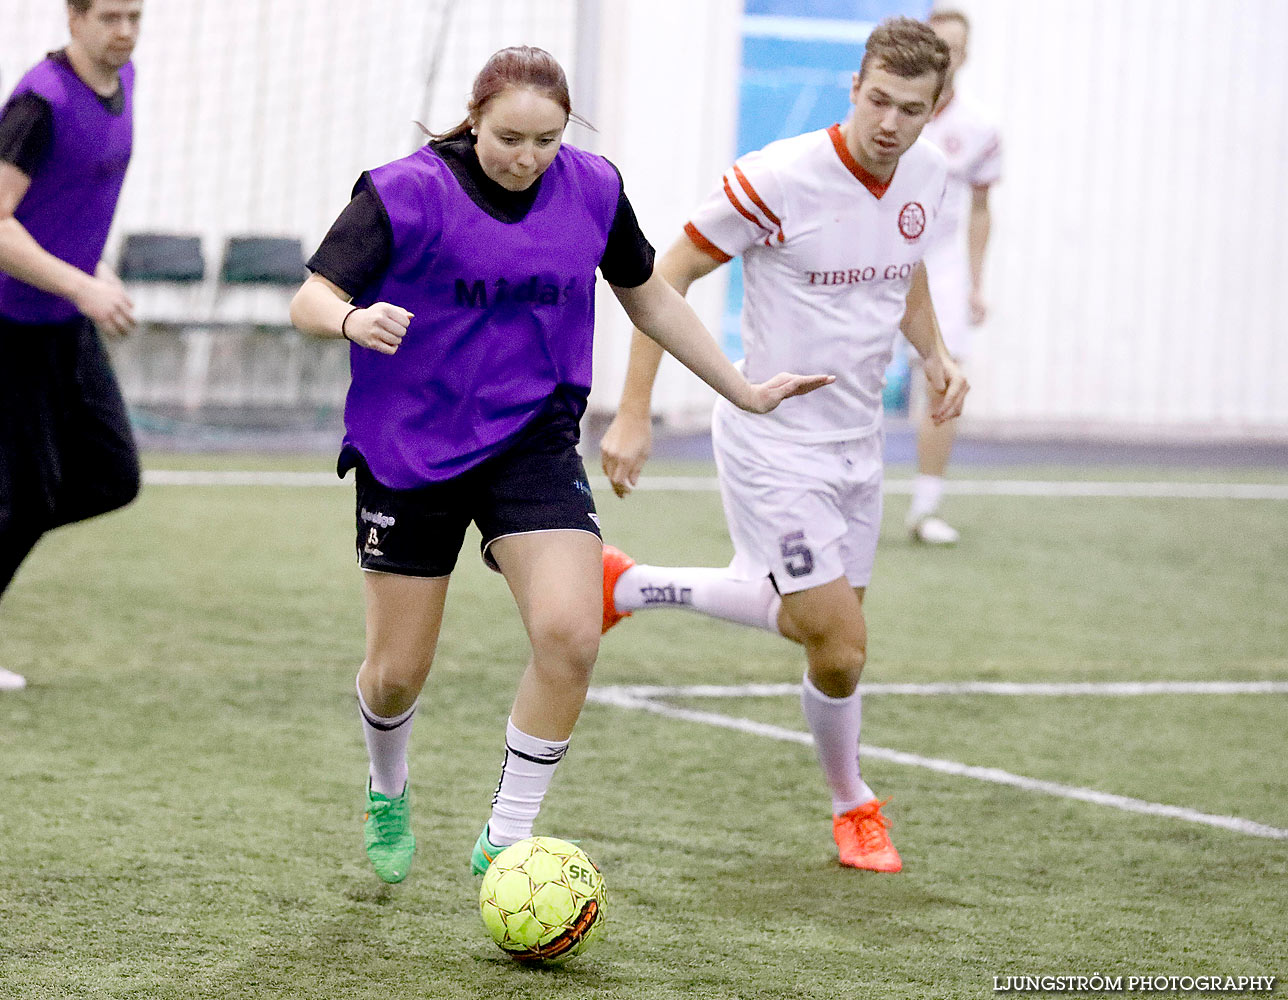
column 797, row 557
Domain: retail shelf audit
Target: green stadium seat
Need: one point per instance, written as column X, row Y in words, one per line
column 269, row 260
column 220, row 345
column 151, row 257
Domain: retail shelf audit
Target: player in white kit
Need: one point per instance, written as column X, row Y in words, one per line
column 832, row 227
column 955, row 264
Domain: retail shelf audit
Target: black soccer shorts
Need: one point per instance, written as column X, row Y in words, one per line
column 538, row 483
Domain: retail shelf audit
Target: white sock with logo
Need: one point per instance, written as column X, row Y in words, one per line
column 927, row 491
column 386, row 747
column 712, row 592
column 525, row 775
column 835, row 723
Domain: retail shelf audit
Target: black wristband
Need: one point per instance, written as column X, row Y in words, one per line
column 346, row 320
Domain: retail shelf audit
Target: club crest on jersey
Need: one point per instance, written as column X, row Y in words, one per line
column 912, row 220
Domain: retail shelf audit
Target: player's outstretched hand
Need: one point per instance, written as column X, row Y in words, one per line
column 624, row 449
column 106, row 303
column 380, row 327
column 767, row 395
column 949, row 387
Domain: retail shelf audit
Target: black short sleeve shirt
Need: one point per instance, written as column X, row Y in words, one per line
column 27, row 124
column 26, row 132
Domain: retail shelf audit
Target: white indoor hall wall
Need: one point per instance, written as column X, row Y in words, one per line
column 665, row 106
column 257, row 116
column 1138, row 255
column 1138, row 242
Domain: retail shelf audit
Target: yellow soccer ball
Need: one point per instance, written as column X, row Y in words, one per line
column 542, row 900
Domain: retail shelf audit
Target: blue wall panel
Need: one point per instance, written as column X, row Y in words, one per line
column 841, row 10
column 797, row 61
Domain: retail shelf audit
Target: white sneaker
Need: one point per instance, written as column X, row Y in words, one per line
column 932, row 530
column 9, row 681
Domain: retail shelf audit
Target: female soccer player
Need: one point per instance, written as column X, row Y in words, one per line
column 464, row 276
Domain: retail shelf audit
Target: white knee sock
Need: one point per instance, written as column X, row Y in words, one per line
column 712, row 592
column 835, row 724
column 386, row 747
column 525, row 775
column 927, row 491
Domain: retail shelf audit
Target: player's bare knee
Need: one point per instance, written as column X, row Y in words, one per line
column 566, row 644
column 391, row 686
column 835, row 667
column 832, row 637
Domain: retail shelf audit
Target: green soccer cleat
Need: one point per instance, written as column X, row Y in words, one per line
column 484, row 852
column 386, row 829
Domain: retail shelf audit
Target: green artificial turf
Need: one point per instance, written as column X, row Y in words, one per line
column 183, row 777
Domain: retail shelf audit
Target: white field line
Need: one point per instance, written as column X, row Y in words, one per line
column 238, row 477
column 1017, row 488
column 1110, row 689
column 620, row 698
column 1057, row 488
column 708, row 484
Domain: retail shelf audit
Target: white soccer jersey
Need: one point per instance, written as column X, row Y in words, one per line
column 973, row 147
column 828, row 254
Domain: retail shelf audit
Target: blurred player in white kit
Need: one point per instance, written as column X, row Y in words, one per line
column 954, row 264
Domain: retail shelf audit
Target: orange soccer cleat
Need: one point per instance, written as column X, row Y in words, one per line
column 862, row 839
column 616, row 562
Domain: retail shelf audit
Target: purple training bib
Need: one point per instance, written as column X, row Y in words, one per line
column 69, row 206
column 504, row 314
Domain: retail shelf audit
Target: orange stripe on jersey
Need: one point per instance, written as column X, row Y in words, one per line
column 756, row 200
column 733, row 200
column 705, row 245
column 877, row 186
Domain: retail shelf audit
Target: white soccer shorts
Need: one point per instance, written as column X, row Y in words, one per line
column 807, row 513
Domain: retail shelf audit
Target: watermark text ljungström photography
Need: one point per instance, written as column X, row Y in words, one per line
column 1104, row 983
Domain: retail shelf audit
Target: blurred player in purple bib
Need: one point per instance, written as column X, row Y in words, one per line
column 66, row 132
